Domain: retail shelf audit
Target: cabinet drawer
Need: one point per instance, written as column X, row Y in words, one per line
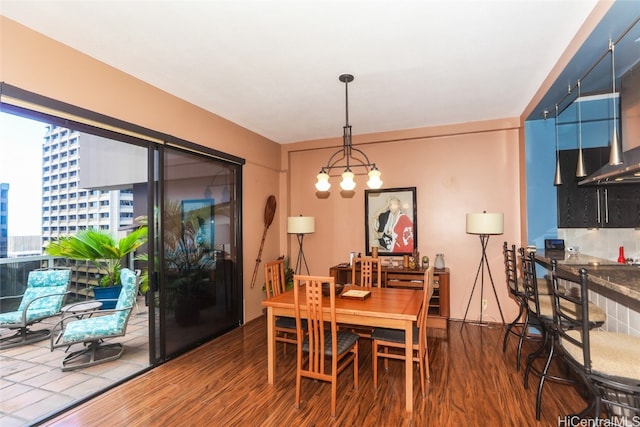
column 405, row 280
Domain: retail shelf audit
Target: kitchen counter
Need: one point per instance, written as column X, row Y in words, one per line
column 608, row 277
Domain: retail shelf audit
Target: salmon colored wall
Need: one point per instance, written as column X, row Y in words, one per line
column 36, row 63
column 456, row 169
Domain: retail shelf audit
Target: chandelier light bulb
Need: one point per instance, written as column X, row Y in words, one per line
column 347, row 184
column 374, row 179
column 323, row 183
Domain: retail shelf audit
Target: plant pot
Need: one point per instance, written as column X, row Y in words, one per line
column 110, row 293
column 187, row 311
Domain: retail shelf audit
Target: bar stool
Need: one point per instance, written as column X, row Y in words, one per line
column 541, row 307
column 515, row 286
column 606, row 361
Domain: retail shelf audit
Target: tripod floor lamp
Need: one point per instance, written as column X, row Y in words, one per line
column 301, row 225
column 484, row 225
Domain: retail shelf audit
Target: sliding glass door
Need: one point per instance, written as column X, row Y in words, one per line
column 200, row 284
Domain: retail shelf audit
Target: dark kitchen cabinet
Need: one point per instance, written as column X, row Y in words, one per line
column 607, row 206
column 577, row 206
column 623, row 205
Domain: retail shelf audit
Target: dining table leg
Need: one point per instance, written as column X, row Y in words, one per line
column 271, row 346
column 408, row 364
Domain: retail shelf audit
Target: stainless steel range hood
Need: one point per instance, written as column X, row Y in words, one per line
column 626, row 173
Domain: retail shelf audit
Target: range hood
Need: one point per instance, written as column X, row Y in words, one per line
column 626, row 173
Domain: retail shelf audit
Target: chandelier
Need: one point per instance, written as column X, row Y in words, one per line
column 351, row 156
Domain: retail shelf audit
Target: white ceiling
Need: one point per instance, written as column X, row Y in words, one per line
column 272, row 66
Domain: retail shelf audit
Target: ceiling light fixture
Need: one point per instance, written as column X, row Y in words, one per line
column 557, row 179
column 615, row 155
column 346, row 153
column 581, row 170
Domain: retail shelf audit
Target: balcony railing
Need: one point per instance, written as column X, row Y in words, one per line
column 14, row 273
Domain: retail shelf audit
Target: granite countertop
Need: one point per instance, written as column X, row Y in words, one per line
column 621, row 279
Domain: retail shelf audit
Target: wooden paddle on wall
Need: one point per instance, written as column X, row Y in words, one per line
column 269, row 212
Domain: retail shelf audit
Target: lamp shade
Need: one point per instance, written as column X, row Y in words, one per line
column 323, row 183
column 347, row 183
column 485, row 223
column 301, row 225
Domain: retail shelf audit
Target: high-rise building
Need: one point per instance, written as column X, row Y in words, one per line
column 69, row 202
column 4, row 219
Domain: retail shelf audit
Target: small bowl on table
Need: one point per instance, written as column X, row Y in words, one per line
column 326, row 290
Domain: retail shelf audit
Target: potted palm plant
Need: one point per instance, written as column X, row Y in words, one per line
column 104, row 252
column 189, row 264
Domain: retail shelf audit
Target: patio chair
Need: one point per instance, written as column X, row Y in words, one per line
column 43, row 298
column 92, row 331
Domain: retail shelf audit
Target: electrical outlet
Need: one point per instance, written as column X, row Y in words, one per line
column 484, row 305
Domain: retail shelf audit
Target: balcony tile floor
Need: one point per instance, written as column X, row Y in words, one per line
column 32, row 386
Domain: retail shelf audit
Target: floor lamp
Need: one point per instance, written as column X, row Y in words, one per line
column 484, row 225
column 301, row 225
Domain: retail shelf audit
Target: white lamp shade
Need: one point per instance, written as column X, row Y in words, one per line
column 323, row 183
column 348, row 183
column 485, row 223
column 301, row 224
column 374, row 179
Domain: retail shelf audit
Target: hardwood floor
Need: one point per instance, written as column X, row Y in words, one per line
column 224, row 382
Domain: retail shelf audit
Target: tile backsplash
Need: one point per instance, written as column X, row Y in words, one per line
column 604, row 243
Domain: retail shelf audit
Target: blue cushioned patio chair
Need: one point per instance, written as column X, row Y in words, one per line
column 43, row 298
column 92, row 331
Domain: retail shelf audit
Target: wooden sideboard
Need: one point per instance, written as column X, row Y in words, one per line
column 399, row 277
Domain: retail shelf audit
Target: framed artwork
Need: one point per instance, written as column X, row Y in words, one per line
column 390, row 221
column 200, row 214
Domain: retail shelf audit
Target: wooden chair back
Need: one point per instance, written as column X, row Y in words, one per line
column 369, row 269
column 321, row 326
column 274, row 277
column 317, row 320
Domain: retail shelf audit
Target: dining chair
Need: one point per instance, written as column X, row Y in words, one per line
column 390, row 343
column 541, row 308
column 274, row 283
column 322, row 351
column 607, row 362
column 366, row 272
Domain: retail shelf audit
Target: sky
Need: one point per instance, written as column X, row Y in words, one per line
column 21, row 166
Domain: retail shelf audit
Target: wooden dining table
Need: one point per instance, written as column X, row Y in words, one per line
column 386, row 308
